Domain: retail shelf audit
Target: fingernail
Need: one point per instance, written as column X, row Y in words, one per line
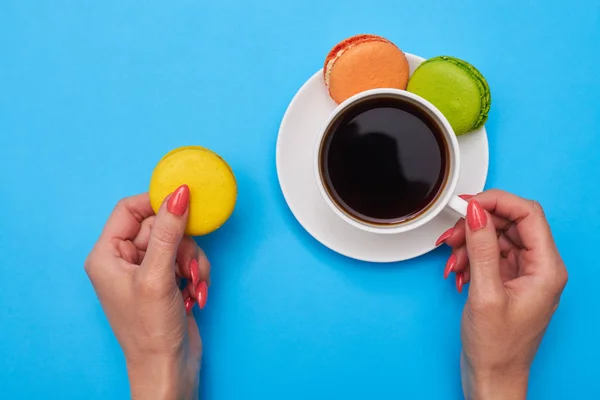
column 178, row 202
column 444, row 236
column 466, row 197
column 195, row 271
column 201, row 294
column 450, row 266
column 459, row 282
column 476, row 217
column 189, row 303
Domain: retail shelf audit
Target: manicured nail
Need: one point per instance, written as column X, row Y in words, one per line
column 459, row 282
column 189, row 303
column 466, row 197
column 178, row 202
column 450, row 266
column 444, row 236
column 201, row 294
column 476, row 217
column 195, row 271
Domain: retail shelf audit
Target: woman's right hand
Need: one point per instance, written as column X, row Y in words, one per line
column 505, row 248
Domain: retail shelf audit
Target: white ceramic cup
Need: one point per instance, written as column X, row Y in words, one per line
column 445, row 199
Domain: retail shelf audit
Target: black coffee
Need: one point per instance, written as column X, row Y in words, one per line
column 384, row 160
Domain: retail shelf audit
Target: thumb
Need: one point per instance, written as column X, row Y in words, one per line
column 483, row 250
column 167, row 231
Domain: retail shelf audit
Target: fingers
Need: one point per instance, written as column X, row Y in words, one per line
column 125, row 221
column 483, row 251
column 143, row 236
column 457, row 262
column 520, row 225
column 201, row 294
column 467, row 276
column 188, row 300
column 188, row 251
column 462, row 259
column 527, row 216
column 455, row 237
column 195, row 293
column 192, row 263
column 506, row 245
column 187, row 259
column 166, row 235
column 204, row 267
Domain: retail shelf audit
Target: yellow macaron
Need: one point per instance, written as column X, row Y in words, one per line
column 213, row 189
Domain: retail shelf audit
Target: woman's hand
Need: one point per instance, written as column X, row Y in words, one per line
column 134, row 268
column 506, row 250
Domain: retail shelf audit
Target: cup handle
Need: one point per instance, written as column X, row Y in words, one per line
column 458, row 205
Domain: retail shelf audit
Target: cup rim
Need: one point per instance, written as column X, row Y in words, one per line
column 434, row 208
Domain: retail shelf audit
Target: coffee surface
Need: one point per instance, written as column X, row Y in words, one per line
column 384, row 160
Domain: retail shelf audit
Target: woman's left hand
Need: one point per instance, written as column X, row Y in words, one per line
column 135, row 267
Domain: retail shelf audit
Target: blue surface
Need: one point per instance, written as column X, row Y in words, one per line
column 92, row 95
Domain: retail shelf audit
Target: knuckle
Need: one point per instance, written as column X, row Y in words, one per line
column 89, row 265
column 565, row 278
column 126, row 204
column 496, row 194
column 122, row 203
column 556, row 282
column 537, row 208
column 562, row 277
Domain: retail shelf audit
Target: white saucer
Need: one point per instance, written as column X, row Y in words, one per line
column 304, row 118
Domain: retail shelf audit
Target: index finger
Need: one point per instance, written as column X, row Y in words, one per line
column 126, row 219
column 528, row 216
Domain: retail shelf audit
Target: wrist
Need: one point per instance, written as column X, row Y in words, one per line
column 162, row 378
column 494, row 384
column 500, row 387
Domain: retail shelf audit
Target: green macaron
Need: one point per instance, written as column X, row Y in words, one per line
column 456, row 88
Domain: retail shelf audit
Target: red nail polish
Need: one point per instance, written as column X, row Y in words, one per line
column 459, row 282
column 178, row 202
column 450, row 266
column 476, row 217
column 189, row 303
column 195, row 271
column 444, row 236
column 466, row 197
column 201, row 294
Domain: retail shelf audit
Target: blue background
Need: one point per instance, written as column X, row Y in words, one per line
column 93, row 93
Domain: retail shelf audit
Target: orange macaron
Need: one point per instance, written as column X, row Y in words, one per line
column 364, row 62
